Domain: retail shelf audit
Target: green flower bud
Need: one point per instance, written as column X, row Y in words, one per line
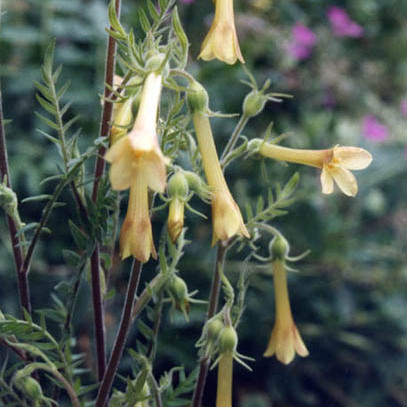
column 178, row 289
column 178, row 186
column 228, row 340
column 154, row 63
column 213, row 329
column 253, row 103
column 197, row 184
column 8, row 200
column 253, row 146
column 28, row 385
column 279, row 248
column 197, row 97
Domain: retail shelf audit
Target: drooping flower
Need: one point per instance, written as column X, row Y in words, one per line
column 136, row 237
column 334, row 162
column 226, row 216
column 139, row 150
column 227, row 219
column 221, row 42
column 285, row 340
column 341, row 23
column 373, row 129
column 302, row 42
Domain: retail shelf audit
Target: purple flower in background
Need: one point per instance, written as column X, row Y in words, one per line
column 187, row 1
column 403, row 107
column 302, row 42
column 341, row 24
column 373, row 129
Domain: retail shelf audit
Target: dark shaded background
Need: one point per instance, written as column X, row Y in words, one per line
column 349, row 299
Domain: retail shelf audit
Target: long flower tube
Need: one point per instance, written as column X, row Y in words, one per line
column 335, row 163
column 221, row 41
column 225, row 380
column 285, row 339
column 139, row 150
column 226, row 216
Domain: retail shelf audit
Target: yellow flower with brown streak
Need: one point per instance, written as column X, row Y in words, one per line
column 335, row 163
column 285, row 340
column 226, row 216
column 139, row 150
column 221, row 41
column 136, row 237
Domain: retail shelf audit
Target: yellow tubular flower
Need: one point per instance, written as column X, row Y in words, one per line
column 285, row 339
column 225, row 377
column 139, row 151
column 226, row 217
column 175, row 218
column 136, row 238
column 221, row 41
column 334, row 162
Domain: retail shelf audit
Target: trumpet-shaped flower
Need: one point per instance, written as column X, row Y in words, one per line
column 221, row 41
column 139, row 150
column 136, row 236
column 225, row 380
column 285, row 340
column 226, row 216
column 335, row 163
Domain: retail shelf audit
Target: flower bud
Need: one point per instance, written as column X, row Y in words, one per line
column 178, row 289
column 28, row 385
column 213, row 329
column 227, row 340
column 279, row 248
column 154, row 63
column 197, row 184
column 197, row 98
column 176, row 218
column 253, row 146
column 8, row 199
column 253, row 103
column 178, row 186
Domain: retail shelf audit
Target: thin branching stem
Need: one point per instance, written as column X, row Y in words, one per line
column 212, row 308
column 23, row 287
column 120, row 341
column 234, row 137
column 107, row 110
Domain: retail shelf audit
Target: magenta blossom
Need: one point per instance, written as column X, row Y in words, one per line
column 373, row 129
column 341, row 24
column 302, row 42
column 403, row 107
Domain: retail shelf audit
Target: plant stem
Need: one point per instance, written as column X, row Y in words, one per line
column 23, row 287
column 234, row 137
column 98, row 312
column 98, row 172
column 125, row 323
column 212, row 308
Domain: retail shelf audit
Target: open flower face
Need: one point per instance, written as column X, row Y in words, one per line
column 337, row 169
column 335, row 163
column 139, row 151
column 136, row 238
column 221, row 41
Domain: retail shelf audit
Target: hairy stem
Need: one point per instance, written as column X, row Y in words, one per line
column 212, row 308
column 98, row 172
column 23, row 287
column 120, row 341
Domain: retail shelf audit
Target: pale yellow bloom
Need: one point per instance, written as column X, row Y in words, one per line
column 175, row 218
column 285, row 339
column 121, row 118
column 139, row 151
column 225, row 379
column 221, row 41
column 136, row 238
column 226, row 216
column 334, row 162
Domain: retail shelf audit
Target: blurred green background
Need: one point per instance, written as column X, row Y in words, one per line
column 350, row 88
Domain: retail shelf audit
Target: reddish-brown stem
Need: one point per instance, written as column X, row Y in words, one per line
column 212, row 308
column 98, row 311
column 23, row 287
column 125, row 323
